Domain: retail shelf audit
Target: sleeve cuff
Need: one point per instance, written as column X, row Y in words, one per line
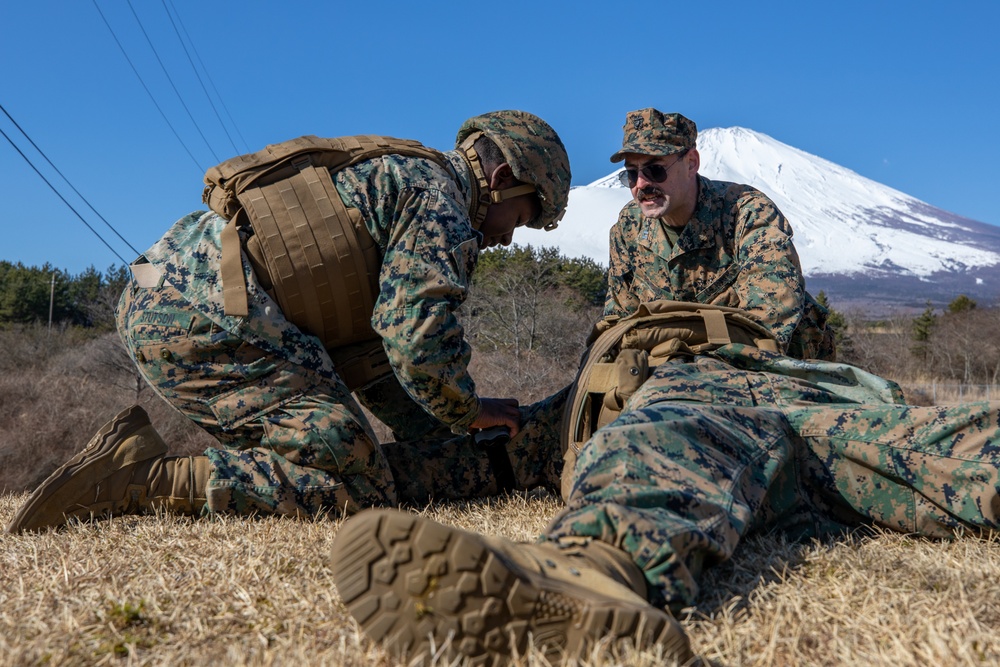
column 461, row 427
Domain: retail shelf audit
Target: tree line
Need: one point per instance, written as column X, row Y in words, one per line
column 29, row 294
column 527, row 300
column 959, row 343
column 534, row 304
column 523, row 299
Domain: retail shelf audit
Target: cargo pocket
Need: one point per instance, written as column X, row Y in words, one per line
column 272, row 384
column 195, row 363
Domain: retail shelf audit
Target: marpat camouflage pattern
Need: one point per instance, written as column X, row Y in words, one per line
column 715, row 447
column 735, row 251
column 292, row 439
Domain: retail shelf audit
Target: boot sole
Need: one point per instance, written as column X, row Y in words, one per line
column 430, row 591
column 94, row 463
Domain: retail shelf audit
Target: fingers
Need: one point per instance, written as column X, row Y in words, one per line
column 498, row 412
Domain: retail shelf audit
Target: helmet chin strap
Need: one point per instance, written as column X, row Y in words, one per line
column 509, row 193
column 482, row 196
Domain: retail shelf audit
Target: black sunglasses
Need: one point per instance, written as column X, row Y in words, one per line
column 655, row 173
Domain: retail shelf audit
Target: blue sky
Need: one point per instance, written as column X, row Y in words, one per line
column 905, row 93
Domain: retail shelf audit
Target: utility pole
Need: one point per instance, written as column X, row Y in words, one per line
column 52, row 300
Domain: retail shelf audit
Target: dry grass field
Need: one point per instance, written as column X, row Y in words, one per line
column 162, row 590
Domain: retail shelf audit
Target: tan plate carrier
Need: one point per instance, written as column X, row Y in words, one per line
column 623, row 353
column 312, row 253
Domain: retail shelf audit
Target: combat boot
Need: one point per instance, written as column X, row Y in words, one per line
column 424, row 588
column 122, row 470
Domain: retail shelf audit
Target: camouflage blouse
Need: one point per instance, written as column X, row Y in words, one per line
column 418, row 214
column 736, row 251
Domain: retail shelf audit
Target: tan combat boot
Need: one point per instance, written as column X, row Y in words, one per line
column 423, row 588
column 122, row 470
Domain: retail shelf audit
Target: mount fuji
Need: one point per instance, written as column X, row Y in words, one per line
column 865, row 244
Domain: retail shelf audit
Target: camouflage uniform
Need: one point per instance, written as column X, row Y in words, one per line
column 714, row 447
column 457, row 469
column 292, row 439
column 736, row 250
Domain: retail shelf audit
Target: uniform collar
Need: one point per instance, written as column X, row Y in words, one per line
column 700, row 231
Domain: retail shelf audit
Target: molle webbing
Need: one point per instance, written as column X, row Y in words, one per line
column 321, row 261
column 623, row 354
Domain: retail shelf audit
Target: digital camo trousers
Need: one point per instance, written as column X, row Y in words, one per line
column 292, row 441
column 713, row 448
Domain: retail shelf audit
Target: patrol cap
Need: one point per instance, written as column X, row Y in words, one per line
column 652, row 132
column 535, row 154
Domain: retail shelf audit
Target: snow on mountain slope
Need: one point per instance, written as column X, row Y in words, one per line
column 845, row 224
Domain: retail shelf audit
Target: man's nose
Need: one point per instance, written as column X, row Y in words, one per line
column 642, row 180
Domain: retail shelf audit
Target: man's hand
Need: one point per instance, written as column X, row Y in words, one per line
column 498, row 412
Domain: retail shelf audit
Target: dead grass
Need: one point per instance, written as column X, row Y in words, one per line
column 163, row 590
column 949, row 393
column 57, row 390
column 55, row 393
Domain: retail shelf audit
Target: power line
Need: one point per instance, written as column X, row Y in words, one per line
column 208, row 74
column 172, row 85
column 195, row 69
column 42, row 153
column 31, row 164
column 146, row 88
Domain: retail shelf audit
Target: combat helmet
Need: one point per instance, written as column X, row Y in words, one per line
column 535, row 154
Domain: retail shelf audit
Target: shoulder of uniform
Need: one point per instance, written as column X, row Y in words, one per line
column 630, row 213
column 738, row 192
column 409, row 171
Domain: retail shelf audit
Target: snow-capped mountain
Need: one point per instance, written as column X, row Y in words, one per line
column 860, row 241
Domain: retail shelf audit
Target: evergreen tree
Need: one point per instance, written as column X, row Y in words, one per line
column 586, row 278
column 27, row 293
column 837, row 323
column 921, row 330
column 961, row 304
